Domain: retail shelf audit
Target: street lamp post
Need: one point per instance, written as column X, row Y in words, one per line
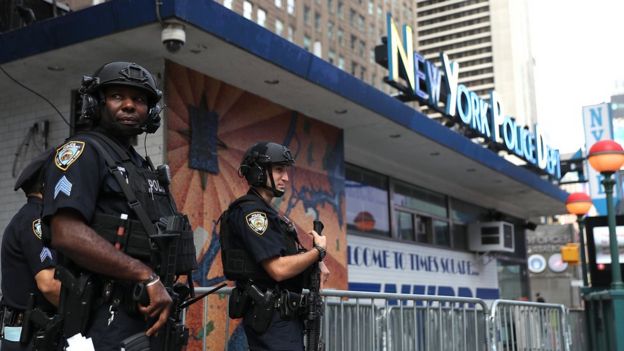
column 606, row 157
column 579, row 204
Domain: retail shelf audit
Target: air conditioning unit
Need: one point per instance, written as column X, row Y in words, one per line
column 491, row 236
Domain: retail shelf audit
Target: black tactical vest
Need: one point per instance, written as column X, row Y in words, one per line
column 151, row 192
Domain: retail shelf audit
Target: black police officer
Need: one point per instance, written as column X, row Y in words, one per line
column 88, row 212
column 274, row 260
column 27, row 264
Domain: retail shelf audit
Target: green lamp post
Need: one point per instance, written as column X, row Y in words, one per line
column 606, row 157
column 579, row 204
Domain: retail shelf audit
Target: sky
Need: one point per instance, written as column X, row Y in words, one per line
column 578, row 47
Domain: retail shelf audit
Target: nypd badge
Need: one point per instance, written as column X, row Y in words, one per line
column 36, row 228
column 68, row 154
column 258, row 222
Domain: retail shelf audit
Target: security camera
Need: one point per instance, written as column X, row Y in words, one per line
column 173, row 37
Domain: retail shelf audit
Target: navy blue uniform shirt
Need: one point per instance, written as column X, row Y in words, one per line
column 263, row 234
column 78, row 179
column 23, row 256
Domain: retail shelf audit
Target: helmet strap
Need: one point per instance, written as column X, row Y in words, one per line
column 276, row 193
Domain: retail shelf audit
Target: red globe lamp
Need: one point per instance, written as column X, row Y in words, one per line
column 606, row 156
column 578, row 203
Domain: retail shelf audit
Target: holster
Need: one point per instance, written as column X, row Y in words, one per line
column 263, row 308
column 77, row 297
column 37, row 325
column 239, row 303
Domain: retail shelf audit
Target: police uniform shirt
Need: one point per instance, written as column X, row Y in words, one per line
column 79, row 179
column 262, row 234
column 23, row 256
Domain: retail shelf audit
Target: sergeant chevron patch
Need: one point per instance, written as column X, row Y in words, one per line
column 45, row 253
column 258, row 222
column 62, row 186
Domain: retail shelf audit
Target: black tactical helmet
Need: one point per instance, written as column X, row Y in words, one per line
column 258, row 161
column 121, row 73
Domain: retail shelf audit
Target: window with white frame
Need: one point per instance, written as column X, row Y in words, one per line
column 291, row 33
column 318, row 49
column 261, row 17
column 279, row 27
column 290, row 7
column 247, row 9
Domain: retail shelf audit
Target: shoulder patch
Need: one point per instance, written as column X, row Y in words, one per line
column 36, row 228
column 68, row 154
column 257, row 221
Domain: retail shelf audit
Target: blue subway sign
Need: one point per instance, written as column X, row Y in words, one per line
column 438, row 87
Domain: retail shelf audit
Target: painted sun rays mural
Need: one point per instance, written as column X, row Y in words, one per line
column 210, row 124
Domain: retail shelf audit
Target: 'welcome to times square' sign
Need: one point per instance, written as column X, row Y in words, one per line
column 439, row 88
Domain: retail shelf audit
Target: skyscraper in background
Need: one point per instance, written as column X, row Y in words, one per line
column 490, row 40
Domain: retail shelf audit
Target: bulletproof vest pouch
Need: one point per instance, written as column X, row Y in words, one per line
column 134, row 242
column 239, row 303
column 186, row 256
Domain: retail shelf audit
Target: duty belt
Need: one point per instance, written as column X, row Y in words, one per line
column 285, row 300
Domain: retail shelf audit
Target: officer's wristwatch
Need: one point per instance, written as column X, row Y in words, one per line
column 322, row 252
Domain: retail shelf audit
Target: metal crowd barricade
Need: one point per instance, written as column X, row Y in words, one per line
column 518, row 325
column 358, row 321
column 394, row 322
column 578, row 330
column 402, row 322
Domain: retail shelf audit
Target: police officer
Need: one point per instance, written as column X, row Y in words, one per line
column 266, row 243
column 27, row 264
column 102, row 202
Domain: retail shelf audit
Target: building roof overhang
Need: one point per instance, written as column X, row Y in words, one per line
column 381, row 133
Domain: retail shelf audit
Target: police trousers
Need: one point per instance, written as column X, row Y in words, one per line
column 282, row 335
column 15, row 346
column 108, row 336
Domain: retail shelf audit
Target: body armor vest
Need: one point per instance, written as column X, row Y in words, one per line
column 151, row 192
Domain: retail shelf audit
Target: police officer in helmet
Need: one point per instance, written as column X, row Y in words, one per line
column 261, row 252
column 102, row 203
column 27, row 264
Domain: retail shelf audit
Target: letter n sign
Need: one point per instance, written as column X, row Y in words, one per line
column 598, row 126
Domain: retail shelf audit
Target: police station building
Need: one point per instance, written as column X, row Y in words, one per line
column 409, row 204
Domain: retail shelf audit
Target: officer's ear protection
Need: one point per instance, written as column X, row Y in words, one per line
column 252, row 171
column 91, row 103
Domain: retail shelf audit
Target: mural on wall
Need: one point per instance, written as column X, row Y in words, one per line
column 210, row 124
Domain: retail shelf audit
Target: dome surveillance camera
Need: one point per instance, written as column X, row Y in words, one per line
column 173, row 37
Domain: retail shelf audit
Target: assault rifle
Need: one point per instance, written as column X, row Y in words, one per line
column 314, row 304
